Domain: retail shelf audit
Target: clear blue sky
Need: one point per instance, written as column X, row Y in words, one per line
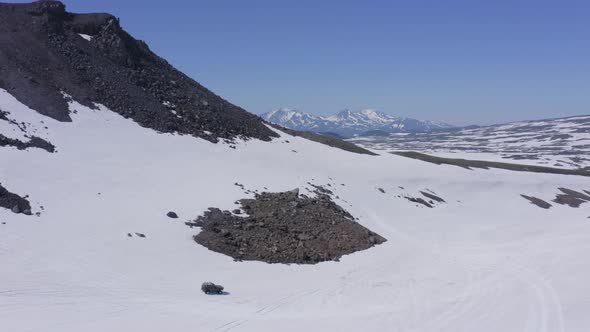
column 469, row 61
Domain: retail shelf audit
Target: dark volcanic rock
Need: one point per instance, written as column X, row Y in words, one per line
column 418, row 200
column 571, row 198
column 576, row 194
column 568, row 200
column 432, row 197
column 43, row 55
column 13, row 202
column 537, row 201
column 285, row 228
column 172, row 215
column 34, row 142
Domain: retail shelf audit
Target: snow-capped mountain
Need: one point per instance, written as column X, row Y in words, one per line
column 350, row 123
column 296, row 119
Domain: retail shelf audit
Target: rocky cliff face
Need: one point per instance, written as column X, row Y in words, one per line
column 47, row 52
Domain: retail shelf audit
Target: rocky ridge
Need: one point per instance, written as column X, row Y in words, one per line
column 46, row 51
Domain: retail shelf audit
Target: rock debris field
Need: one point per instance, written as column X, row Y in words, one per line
column 284, row 227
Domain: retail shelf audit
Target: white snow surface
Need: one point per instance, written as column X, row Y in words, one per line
column 487, row 260
column 87, row 37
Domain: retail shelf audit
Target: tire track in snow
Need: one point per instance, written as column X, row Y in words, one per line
column 465, row 301
column 285, row 301
column 548, row 310
column 267, row 309
column 231, row 325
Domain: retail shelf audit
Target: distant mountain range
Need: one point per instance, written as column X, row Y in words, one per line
column 348, row 123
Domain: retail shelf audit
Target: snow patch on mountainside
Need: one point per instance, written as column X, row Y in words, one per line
column 486, row 260
column 87, row 37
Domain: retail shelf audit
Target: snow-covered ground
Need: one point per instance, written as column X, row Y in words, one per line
column 562, row 143
column 487, row 260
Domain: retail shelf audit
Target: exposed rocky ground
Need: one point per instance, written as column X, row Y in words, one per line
column 432, row 197
column 42, row 54
column 284, row 228
column 420, row 200
column 14, row 202
column 571, row 198
column 566, row 196
column 467, row 163
column 34, row 142
column 537, row 201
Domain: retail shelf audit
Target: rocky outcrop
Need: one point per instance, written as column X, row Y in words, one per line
column 537, row 201
column 14, row 202
column 571, row 198
column 419, row 201
column 42, row 54
column 284, row 228
column 34, row 142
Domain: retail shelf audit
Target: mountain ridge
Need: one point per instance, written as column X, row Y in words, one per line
column 46, row 51
column 351, row 123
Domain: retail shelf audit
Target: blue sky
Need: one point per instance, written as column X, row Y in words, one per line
column 463, row 62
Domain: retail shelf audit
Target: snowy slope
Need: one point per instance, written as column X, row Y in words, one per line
column 348, row 123
column 487, row 260
column 563, row 142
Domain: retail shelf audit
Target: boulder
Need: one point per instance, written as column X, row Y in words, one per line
column 172, row 215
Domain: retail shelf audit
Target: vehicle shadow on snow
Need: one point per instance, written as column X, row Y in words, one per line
column 218, row 294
